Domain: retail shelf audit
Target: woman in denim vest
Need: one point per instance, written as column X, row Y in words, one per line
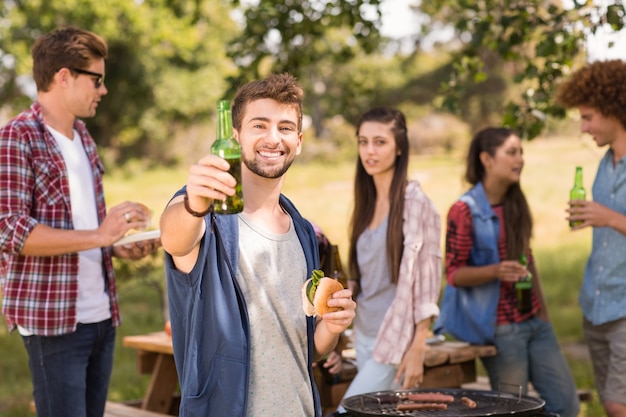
column 488, row 231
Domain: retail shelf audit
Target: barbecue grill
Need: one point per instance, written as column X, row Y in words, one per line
column 488, row 403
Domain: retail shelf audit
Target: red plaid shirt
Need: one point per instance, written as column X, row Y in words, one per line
column 40, row 292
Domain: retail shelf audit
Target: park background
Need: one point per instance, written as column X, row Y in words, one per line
column 170, row 61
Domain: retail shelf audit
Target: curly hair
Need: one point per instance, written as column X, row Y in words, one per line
column 601, row 85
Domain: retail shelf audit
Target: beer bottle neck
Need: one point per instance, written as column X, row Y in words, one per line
column 224, row 125
column 578, row 178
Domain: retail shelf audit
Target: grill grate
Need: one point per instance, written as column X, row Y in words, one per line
column 488, row 403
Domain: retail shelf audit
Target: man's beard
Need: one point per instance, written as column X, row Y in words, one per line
column 265, row 172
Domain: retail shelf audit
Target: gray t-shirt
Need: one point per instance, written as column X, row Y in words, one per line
column 272, row 268
column 377, row 292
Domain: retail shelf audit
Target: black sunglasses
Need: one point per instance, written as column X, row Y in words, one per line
column 98, row 81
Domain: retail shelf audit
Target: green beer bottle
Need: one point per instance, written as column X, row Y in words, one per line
column 523, row 289
column 577, row 192
column 226, row 147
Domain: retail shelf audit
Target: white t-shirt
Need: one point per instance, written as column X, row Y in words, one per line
column 93, row 301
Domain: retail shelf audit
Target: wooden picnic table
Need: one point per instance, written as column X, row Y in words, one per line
column 451, row 364
column 155, row 356
column 446, row 365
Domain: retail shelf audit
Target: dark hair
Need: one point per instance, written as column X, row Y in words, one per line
column 600, row 85
column 64, row 48
column 283, row 88
column 365, row 192
column 518, row 221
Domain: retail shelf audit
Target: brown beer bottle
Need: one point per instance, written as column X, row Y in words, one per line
column 226, row 147
column 336, row 268
column 577, row 192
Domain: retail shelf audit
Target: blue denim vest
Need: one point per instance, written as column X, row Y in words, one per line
column 210, row 328
column 470, row 313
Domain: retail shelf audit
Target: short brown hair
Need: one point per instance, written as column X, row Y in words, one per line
column 601, row 85
column 64, row 48
column 283, row 88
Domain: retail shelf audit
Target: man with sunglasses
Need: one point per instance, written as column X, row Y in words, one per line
column 56, row 236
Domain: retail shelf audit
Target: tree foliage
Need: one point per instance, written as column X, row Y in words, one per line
column 165, row 70
column 287, row 36
column 171, row 60
column 537, row 41
column 312, row 40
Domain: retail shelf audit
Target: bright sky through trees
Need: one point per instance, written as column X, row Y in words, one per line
column 400, row 22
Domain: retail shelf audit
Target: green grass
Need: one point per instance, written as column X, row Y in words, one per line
column 323, row 193
column 141, row 313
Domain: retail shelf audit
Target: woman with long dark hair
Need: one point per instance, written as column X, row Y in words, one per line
column 394, row 258
column 488, row 232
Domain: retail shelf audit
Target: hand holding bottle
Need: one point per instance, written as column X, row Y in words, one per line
column 510, row 271
column 594, row 214
column 209, row 180
column 332, row 365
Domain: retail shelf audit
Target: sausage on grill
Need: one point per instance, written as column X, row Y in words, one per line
column 468, row 402
column 435, row 397
column 422, row 406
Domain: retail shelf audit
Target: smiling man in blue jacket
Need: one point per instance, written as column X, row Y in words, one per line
column 242, row 343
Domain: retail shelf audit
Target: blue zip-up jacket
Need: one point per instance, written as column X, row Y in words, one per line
column 470, row 313
column 210, row 326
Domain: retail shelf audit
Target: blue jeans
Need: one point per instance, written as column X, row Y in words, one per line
column 372, row 376
column 71, row 372
column 530, row 352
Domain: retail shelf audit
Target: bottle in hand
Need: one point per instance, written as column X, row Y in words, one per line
column 523, row 289
column 226, row 147
column 577, row 193
column 336, row 267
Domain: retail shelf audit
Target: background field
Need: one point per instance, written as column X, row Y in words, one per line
column 323, row 194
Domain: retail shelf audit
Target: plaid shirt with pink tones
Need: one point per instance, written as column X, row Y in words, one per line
column 40, row 292
column 419, row 281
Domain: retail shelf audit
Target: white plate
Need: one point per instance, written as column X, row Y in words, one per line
column 138, row 237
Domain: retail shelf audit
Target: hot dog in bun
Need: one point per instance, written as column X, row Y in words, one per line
column 316, row 291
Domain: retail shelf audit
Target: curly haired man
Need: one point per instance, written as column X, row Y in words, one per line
column 598, row 90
